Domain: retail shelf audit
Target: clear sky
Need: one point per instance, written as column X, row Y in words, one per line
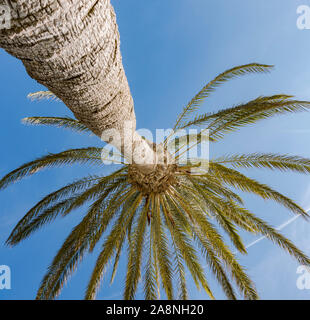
column 170, row 50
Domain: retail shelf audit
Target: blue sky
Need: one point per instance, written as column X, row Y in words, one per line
column 170, row 50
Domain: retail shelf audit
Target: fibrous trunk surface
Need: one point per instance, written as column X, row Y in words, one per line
column 73, row 48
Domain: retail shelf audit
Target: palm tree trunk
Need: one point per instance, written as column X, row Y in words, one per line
column 73, row 48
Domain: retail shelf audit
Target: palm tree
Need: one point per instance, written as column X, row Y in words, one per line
column 164, row 211
column 166, row 216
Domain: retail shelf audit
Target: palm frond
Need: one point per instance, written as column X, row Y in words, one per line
column 117, row 258
column 266, row 160
column 109, row 247
column 212, row 85
column 211, row 185
column 244, row 183
column 91, row 155
column 182, row 230
column 162, row 249
column 83, row 237
column 47, row 216
column 135, row 255
column 272, row 234
column 227, row 226
column 216, row 205
column 100, row 190
column 41, row 95
column 60, row 122
column 48, row 201
column 206, row 119
column 121, row 198
column 215, row 265
column 67, row 258
column 183, row 293
column 175, row 145
column 242, row 280
column 108, row 183
column 150, row 287
column 252, row 112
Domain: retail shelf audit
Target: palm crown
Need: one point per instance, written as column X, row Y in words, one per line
column 165, row 221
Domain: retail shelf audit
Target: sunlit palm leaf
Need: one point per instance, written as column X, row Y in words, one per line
column 91, row 155
column 78, row 242
column 135, row 255
column 59, row 122
column 244, row 183
column 267, row 160
column 49, row 200
column 212, row 85
column 112, row 240
column 41, row 95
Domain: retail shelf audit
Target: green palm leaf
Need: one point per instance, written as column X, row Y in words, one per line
column 135, row 255
column 150, row 285
column 109, row 246
column 83, row 237
column 252, row 112
column 59, row 122
column 244, row 183
column 215, row 265
column 184, row 243
column 212, row 85
column 269, row 232
column 269, row 160
column 48, row 201
column 91, row 155
column 227, row 226
column 248, row 109
column 32, row 221
column 162, row 251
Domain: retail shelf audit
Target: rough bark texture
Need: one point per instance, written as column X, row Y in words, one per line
column 72, row 47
